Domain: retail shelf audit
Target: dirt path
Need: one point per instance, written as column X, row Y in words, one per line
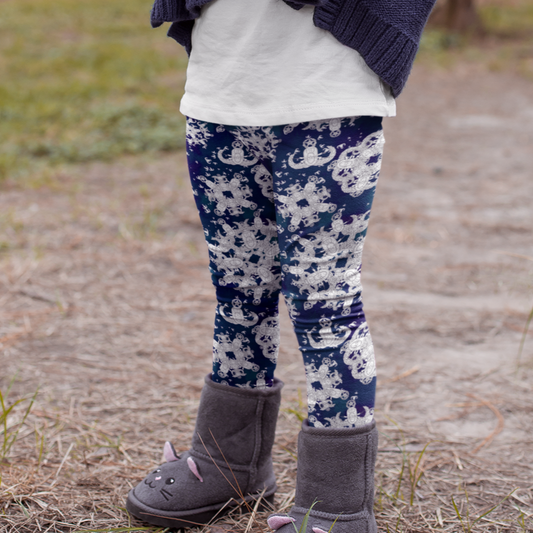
column 106, row 305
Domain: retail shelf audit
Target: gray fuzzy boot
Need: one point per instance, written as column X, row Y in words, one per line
column 336, row 474
column 229, row 460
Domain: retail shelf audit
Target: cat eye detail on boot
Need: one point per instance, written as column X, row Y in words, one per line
column 229, row 460
column 335, row 481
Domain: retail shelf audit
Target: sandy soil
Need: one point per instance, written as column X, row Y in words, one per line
column 106, row 306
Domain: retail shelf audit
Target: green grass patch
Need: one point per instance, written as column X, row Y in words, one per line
column 9, row 431
column 509, row 21
column 81, row 81
column 506, row 44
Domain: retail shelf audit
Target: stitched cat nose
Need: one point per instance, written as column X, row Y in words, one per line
column 158, row 478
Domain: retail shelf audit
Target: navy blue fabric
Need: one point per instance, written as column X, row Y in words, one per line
column 385, row 32
column 285, row 209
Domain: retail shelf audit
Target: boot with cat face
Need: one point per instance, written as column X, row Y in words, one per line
column 229, row 460
column 334, row 483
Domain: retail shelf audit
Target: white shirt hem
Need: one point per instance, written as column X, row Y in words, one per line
column 288, row 114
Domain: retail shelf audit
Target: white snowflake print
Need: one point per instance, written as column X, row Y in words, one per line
column 358, row 355
column 197, row 133
column 223, row 346
column 236, row 315
column 230, row 195
column 304, row 205
column 357, row 168
column 246, row 254
column 317, row 125
column 358, row 224
column 289, row 128
column 291, row 307
column 328, row 381
column 311, row 156
column 352, row 418
column 260, row 382
column 327, row 272
column 264, row 179
column 309, row 185
column 267, row 336
column 261, row 142
column 328, row 339
column 237, row 156
column 334, row 125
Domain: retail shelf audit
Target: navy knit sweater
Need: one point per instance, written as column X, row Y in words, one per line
column 385, row 32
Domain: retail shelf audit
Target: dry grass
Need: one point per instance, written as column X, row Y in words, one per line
column 106, row 309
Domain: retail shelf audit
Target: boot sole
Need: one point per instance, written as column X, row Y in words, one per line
column 192, row 517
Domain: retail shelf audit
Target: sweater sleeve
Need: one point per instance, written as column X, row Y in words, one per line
column 182, row 14
column 169, row 11
column 182, row 33
column 385, row 32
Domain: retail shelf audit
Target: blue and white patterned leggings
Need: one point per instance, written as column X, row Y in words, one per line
column 286, row 208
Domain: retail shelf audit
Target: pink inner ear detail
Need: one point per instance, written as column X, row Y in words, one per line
column 276, row 521
column 318, row 530
column 169, row 454
column 192, row 467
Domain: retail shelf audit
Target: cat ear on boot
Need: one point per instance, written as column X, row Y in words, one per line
column 169, row 453
column 229, row 460
column 335, row 482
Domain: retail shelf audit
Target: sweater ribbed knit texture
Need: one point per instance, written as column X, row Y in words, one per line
column 385, row 32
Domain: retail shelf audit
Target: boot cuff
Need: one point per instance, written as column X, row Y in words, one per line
column 248, row 393
column 336, row 432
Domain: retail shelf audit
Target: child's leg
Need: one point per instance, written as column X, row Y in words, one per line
column 233, row 192
column 324, row 180
column 324, row 183
column 235, row 427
